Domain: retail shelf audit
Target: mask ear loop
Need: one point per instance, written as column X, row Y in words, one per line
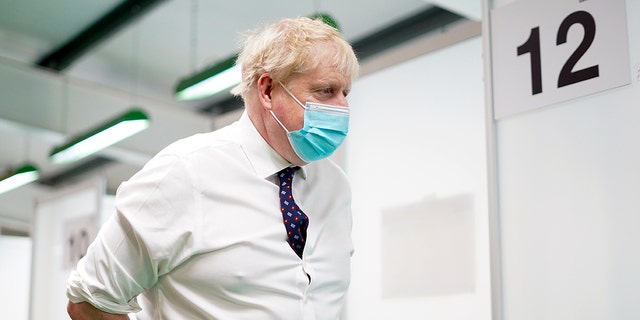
column 291, row 95
column 278, row 121
column 274, row 115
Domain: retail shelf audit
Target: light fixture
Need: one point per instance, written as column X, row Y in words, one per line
column 326, row 18
column 220, row 76
column 116, row 129
column 19, row 177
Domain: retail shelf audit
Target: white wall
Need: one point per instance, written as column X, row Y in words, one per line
column 15, row 267
column 416, row 159
column 65, row 223
column 568, row 184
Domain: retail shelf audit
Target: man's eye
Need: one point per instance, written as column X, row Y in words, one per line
column 326, row 91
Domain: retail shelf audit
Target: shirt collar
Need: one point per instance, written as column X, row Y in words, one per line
column 265, row 160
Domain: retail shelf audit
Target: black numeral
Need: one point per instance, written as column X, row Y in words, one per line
column 567, row 75
column 532, row 46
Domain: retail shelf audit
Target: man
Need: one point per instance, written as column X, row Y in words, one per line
column 201, row 232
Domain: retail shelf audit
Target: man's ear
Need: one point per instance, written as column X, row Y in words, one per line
column 265, row 84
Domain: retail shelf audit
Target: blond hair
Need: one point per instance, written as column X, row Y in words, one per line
column 286, row 48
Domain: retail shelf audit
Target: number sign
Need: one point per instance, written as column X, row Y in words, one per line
column 78, row 235
column 548, row 51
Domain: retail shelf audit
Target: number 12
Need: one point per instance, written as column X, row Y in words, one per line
column 567, row 76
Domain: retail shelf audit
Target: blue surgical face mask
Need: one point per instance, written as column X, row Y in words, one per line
column 325, row 128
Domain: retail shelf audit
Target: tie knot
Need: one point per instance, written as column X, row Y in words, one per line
column 286, row 174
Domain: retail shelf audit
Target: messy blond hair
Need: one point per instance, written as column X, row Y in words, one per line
column 287, row 48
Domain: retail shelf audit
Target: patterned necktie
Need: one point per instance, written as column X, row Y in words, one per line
column 295, row 221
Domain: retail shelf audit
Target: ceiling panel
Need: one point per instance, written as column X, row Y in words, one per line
column 138, row 65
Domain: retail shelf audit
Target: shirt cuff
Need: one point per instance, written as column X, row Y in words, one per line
column 78, row 291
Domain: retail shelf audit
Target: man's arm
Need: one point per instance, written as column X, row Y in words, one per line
column 86, row 311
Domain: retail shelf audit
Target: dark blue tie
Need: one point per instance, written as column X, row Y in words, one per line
column 295, row 221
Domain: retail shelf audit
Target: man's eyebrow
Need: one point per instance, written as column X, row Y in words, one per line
column 329, row 83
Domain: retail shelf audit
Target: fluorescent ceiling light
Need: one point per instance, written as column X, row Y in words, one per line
column 23, row 175
column 210, row 81
column 115, row 130
column 326, row 18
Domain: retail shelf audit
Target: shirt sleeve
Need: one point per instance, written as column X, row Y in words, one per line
column 150, row 233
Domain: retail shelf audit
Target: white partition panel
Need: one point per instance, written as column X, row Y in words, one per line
column 567, row 185
column 15, row 264
column 64, row 225
column 416, row 158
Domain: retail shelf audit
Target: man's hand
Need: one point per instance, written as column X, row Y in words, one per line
column 86, row 311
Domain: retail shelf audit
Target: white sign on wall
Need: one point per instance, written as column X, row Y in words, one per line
column 78, row 233
column 548, row 51
column 64, row 224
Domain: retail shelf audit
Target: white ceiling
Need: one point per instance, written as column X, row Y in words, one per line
column 138, row 65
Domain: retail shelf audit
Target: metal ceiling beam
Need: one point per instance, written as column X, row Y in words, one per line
column 76, row 172
column 419, row 24
column 125, row 13
column 426, row 21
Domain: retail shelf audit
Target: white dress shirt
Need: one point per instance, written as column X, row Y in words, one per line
column 198, row 234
